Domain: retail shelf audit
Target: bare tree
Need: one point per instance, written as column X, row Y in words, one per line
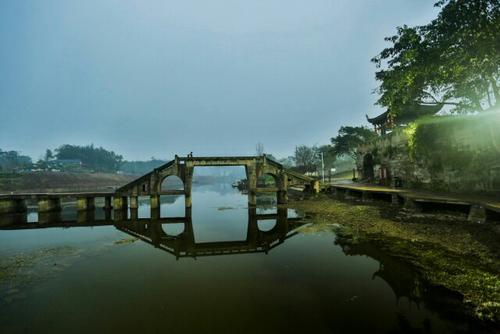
column 259, row 148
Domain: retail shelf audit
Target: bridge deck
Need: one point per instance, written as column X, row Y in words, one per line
column 55, row 195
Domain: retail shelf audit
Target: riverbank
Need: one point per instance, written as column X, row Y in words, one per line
column 62, row 182
column 457, row 255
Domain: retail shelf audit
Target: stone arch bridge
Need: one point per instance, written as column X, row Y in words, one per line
column 150, row 184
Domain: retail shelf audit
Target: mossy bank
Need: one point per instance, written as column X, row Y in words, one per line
column 459, row 256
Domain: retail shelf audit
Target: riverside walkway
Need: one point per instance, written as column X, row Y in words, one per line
column 477, row 208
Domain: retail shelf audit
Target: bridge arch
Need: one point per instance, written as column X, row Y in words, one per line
column 267, row 225
column 174, row 229
column 171, row 182
column 268, row 180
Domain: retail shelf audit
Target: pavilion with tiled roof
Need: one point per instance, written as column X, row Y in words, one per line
column 387, row 121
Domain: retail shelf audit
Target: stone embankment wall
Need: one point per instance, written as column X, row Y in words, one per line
column 445, row 153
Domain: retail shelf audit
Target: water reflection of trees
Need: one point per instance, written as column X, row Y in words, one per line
column 407, row 283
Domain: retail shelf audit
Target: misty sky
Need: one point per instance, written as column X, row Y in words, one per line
column 154, row 77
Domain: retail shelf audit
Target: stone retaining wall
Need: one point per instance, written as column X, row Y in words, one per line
column 445, row 153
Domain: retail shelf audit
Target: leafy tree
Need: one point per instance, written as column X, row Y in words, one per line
column 48, row 155
column 406, row 78
column 306, row 158
column 454, row 59
column 12, row 160
column 329, row 156
column 98, row 159
column 344, row 163
column 349, row 138
column 41, row 164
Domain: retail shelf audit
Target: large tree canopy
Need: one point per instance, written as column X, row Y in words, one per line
column 454, row 59
column 329, row 156
column 12, row 160
column 306, row 158
column 98, row 159
column 349, row 138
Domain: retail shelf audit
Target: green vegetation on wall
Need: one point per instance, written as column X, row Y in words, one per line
column 457, row 149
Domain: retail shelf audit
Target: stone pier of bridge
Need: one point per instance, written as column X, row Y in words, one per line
column 51, row 202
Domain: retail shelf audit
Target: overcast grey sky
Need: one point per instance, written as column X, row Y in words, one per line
column 154, row 77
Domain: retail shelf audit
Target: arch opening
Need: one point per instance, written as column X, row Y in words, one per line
column 267, row 180
column 172, row 206
column 219, row 194
column 172, row 182
column 266, row 225
column 69, row 209
column 173, row 230
column 267, row 201
column 144, row 207
column 32, row 210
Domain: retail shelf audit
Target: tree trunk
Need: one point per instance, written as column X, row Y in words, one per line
column 496, row 92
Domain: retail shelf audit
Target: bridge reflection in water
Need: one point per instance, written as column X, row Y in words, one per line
column 152, row 231
column 184, row 244
column 323, row 272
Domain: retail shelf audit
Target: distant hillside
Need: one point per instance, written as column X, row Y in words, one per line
column 61, row 182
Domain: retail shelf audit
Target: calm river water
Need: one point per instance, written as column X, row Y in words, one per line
column 225, row 271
